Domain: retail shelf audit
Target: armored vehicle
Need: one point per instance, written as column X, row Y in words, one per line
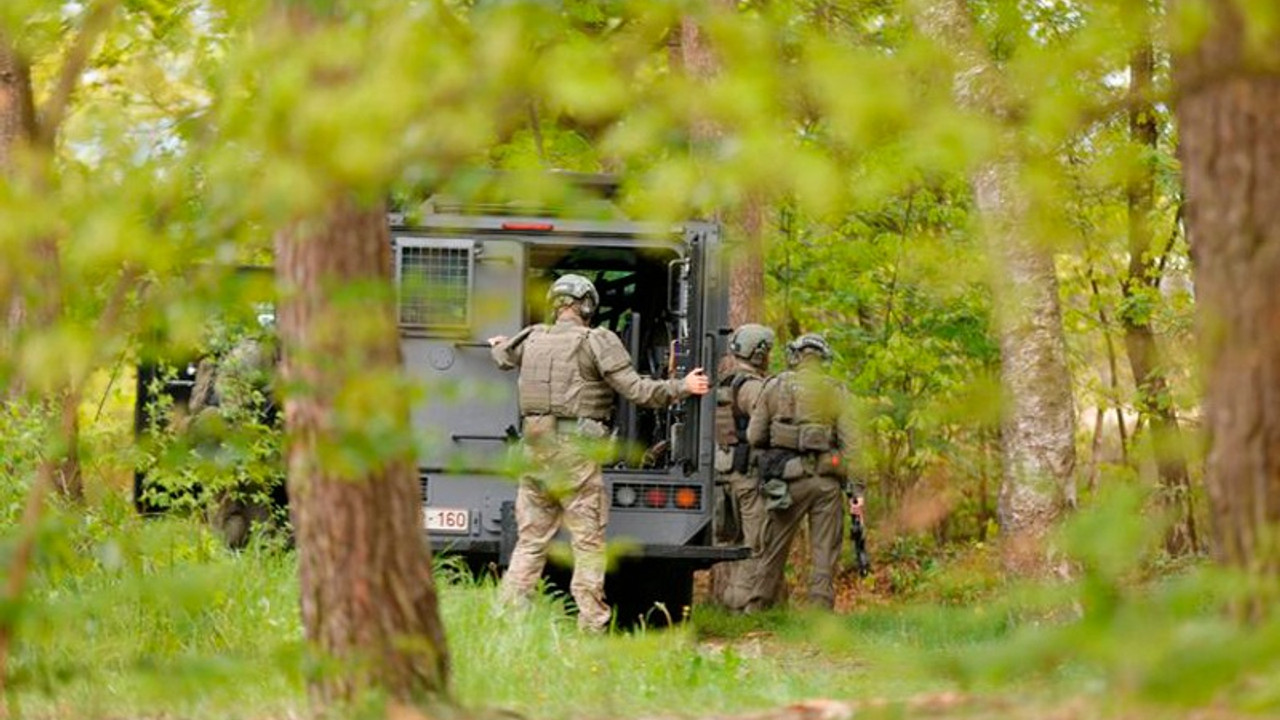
column 465, row 273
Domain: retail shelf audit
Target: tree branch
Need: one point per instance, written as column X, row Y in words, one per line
column 54, row 110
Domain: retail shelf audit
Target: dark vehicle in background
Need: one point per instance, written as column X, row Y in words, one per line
column 466, row 273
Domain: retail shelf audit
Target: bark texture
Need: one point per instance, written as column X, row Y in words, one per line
column 746, row 222
column 17, row 112
column 1229, row 124
column 1038, row 426
column 17, row 129
column 368, row 602
column 1154, row 401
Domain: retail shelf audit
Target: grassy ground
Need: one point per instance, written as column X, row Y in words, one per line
column 136, row 618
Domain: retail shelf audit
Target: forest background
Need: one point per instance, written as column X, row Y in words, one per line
column 983, row 204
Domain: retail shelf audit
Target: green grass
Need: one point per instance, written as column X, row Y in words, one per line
column 129, row 617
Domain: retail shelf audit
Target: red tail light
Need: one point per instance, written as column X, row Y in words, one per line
column 656, row 497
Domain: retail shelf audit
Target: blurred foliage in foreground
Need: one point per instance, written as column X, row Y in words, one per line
column 156, row 617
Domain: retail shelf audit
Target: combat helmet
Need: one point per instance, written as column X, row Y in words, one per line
column 805, row 344
column 751, row 342
column 569, row 289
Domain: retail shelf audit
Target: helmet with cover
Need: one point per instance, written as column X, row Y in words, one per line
column 752, row 342
column 806, row 345
column 573, row 289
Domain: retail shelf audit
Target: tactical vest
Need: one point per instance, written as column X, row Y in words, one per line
column 731, row 422
column 800, row 422
column 558, row 375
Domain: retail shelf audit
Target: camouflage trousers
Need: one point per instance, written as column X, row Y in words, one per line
column 568, row 490
column 740, row 576
column 821, row 499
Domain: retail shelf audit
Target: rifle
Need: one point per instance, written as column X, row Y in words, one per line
column 858, row 536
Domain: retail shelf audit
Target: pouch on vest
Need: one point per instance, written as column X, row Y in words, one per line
column 726, row 432
column 793, row 468
column 784, row 435
column 773, row 463
column 724, row 459
column 733, row 459
column 777, row 496
column 813, row 437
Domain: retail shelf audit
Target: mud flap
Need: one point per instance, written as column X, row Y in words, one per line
column 510, row 532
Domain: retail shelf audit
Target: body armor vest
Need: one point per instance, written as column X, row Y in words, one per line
column 558, row 375
column 731, row 423
column 805, row 421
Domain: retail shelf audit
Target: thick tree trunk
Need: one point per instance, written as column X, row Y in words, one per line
column 1154, row 401
column 1038, row 427
column 368, row 602
column 1229, row 124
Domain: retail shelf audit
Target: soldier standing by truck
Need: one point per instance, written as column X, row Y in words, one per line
column 749, row 347
column 570, row 375
column 800, row 426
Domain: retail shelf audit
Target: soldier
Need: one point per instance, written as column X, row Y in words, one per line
column 749, row 347
column 233, row 393
column 570, row 374
column 799, row 424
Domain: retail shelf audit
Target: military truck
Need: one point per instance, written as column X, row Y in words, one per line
column 467, row 272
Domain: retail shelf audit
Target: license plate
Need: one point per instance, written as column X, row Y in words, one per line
column 447, row 519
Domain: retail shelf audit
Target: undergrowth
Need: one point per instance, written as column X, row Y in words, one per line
column 129, row 617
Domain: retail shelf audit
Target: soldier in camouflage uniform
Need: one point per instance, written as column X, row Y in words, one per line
column 570, row 374
column 800, row 427
column 233, row 390
column 749, row 348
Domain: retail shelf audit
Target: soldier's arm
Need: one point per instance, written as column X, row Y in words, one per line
column 615, row 367
column 202, row 391
column 509, row 352
column 762, row 416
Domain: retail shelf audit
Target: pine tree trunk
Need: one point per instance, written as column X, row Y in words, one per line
column 17, row 112
column 1229, row 125
column 17, row 128
column 744, row 226
column 746, row 269
column 368, row 602
column 1038, row 426
column 745, row 223
column 1154, row 401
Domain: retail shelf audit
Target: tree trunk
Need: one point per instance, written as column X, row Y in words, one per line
column 746, row 268
column 1154, row 400
column 17, row 111
column 1229, row 124
column 368, row 602
column 745, row 223
column 17, row 129
column 1038, row 426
